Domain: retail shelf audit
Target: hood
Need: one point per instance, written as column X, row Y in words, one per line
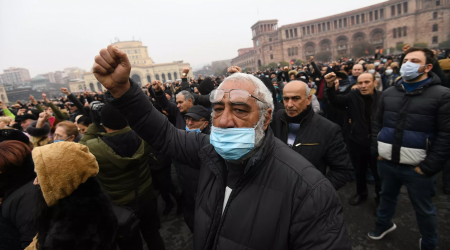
column 123, row 147
column 271, row 88
column 61, row 167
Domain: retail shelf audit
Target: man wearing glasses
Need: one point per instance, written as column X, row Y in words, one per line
column 254, row 192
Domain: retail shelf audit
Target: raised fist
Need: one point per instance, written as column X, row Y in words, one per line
column 406, row 48
column 44, row 96
column 65, row 91
column 32, row 98
column 157, row 85
column 311, row 58
column 185, row 71
column 330, row 78
column 234, row 69
column 112, row 69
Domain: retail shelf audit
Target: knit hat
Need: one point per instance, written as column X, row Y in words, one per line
column 206, row 86
column 112, row 118
column 445, row 64
column 61, row 167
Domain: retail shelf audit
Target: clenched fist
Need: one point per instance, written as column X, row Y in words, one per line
column 65, row 91
column 406, row 48
column 112, row 69
column 234, row 69
column 330, row 78
column 157, row 85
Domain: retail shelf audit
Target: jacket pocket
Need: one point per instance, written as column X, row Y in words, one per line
column 306, row 144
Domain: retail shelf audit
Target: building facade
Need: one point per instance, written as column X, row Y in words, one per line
column 15, row 75
column 3, row 95
column 50, row 76
column 143, row 70
column 385, row 25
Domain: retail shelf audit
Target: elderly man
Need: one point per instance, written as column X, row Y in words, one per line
column 357, row 70
column 253, row 191
column 314, row 137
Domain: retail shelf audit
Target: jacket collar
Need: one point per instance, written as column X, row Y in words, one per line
column 309, row 114
column 119, row 132
column 435, row 80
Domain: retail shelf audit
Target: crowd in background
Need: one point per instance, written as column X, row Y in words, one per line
column 76, row 173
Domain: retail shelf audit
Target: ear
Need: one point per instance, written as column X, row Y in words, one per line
column 268, row 118
column 428, row 67
column 308, row 100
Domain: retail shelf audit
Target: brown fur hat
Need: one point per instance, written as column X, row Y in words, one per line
column 61, row 167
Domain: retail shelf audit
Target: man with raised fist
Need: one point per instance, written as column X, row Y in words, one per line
column 253, row 191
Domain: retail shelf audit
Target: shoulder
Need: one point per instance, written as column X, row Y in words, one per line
column 279, row 113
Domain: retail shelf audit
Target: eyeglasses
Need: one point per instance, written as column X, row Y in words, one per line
column 236, row 96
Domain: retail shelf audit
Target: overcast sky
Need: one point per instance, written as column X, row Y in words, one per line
column 50, row 35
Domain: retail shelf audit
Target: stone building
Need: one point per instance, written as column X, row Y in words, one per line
column 3, row 95
column 143, row 69
column 15, row 75
column 385, row 25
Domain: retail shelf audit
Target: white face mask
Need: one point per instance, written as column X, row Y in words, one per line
column 377, row 64
column 388, row 72
column 371, row 71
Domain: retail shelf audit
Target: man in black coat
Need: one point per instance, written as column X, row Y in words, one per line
column 361, row 105
column 314, row 137
column 253, row 191
column 411, row 136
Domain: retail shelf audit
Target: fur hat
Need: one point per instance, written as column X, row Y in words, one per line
column 38, row 132
column 293, row 72
column 445, row 64
column 61, row 167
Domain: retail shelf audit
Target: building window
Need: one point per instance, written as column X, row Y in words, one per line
column 363, row 17
column 287, row 34
column 289, row 51
column 304, row 31
column 292, row 33
column 352, row 22
column 328, row 25
column 340, row 23
column 393, row 10
column 335, row 24
column 175, row 76
column 405, row 7
column 435, row 39
column 157, row 77
column 169, row 76
column 295, row 32
column 399, row 32
column 438, row 3
column 370, row 16
column 395, row 32
column 381, row 14
column 345, row 22
column 270, row 39
column 135, row 51
column 307, row 30
column 404, row 31
column 319, row 28
column 296, row 51
column 435, row 27
column 312, row 29
column 399, row 9
column 357, row 19
column 149, row 79
column 435, row 15
column 376, row 15
column 271, row 57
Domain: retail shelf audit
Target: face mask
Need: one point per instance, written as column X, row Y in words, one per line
column 384, row 60
column 267, row 76
column 371, row 71
column 276, row 72
column 198, row 130
column 388, row 72
column 303, row 77
column 410, row 71
column 60, row 140
column 377, row 64
column 232, row 143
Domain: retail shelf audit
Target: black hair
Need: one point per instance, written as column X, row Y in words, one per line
column 84, row 120
column 428, row 54
column 82, row 220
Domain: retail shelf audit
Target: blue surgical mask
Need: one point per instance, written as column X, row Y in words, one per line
column 410, row 71
column 384, row 60
column 267, row 76
column 198, row 130
column 232, row 143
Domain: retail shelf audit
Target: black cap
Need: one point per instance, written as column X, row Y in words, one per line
column 198, row 112
column 25, row 117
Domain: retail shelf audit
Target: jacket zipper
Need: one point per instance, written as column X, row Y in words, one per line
column 287, row 129
column 152, row 155
column 307, row 144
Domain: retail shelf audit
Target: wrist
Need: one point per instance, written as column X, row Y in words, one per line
column 117, row 92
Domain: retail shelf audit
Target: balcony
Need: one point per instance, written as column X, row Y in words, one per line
column 341, row 47
column 379, row 41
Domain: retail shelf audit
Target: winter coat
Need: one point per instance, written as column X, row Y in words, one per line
column 281, row 201
column 118, row 155
column 320, row 141
column 39, row 136
column 413, row 128
column 354, row 103
column 18, row 209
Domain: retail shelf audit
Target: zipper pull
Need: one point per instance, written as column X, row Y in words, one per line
column 153, row 156
column 298, row 144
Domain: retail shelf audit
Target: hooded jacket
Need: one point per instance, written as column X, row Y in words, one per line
column 118, row 155
column 413, row 128
column 66, row 172
column 281, row 201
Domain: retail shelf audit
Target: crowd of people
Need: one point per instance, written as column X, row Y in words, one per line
column 258, row 155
